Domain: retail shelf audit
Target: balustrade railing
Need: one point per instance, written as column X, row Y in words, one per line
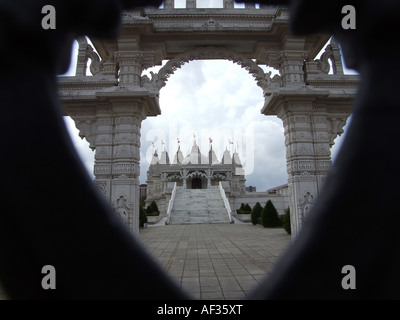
column 226, row 202
column 171, row 203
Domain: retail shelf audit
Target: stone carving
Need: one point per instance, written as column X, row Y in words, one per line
column 159, row 81
column 324, row 164
column 220, row 176
column 228, row 4
column 196, row 174
column 336, row 128
column 102, row 169
column 332, row 52
column 169, row 4
column 122, row 209
column 173, row 177
column 86, row 52
column 211, row 25
column 103, row 139
column 124, row 168
column 272, row 84
column 123, row 152
column 302, row 165
column 102, row 153
column 306, row 203
column 102, row 186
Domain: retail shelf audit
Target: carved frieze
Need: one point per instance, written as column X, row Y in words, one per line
column 302, row 149
column 303, row 165
column 102, row 169
column 125, row 168
column 324, row 165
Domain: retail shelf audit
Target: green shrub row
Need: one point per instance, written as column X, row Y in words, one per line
column 244, row 209
column 267, row 216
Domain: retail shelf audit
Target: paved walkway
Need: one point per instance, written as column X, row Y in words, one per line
column 215, row 261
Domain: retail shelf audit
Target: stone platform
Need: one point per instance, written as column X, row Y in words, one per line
column 215, row 261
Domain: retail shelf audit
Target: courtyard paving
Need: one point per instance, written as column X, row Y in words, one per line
column 215, row 261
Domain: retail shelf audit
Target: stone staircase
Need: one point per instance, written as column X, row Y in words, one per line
column 198, row 206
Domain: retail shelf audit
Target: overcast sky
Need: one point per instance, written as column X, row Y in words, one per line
column 214, row 99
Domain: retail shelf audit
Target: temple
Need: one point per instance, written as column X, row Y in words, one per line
column 201, row 189
column 195, row 171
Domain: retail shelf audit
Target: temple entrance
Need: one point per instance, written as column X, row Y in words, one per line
column 196, row 183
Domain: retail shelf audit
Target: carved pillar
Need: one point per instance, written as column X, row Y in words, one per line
column 130, row 64
column 128, row 116
column 309, row 132
column 104, row 148
column 117, row 157
column 292, row 70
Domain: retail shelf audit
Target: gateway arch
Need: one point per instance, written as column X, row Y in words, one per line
column 109, row 106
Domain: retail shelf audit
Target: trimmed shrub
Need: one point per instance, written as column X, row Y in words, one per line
column 152, row 209
column 241, row 209
column 247, row 208
column 256, row 213
column 244, row 209
column 286, row 221
column 270, row 217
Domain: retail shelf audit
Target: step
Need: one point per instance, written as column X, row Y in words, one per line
column 196, row 206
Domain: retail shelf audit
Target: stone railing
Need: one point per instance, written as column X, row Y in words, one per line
column 171, row 204
column 226, row 202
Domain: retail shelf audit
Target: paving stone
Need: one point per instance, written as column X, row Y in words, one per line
column 215, row 261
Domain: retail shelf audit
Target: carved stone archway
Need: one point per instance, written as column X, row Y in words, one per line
column 109, row 106
column 262, row 79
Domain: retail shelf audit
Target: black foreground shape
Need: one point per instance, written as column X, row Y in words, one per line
column 52, row 214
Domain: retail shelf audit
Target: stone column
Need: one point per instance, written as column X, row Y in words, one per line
column 104, row 149
column 126, row 157
column 117, row 157
column 309, row 133
column 130, row 64
column 291, row 69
